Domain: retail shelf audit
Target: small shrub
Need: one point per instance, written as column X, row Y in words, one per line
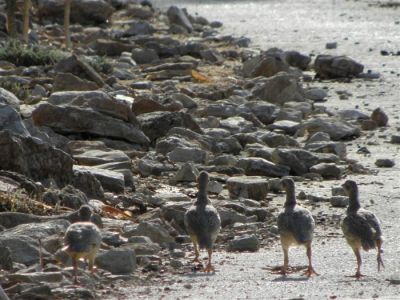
column 31, row 55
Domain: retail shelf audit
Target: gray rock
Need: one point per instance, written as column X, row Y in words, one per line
column 298, row 160
column 244, row 243
column 149, row 166
column 187, row 173
column 144, row 55
column 352, row 114
column 85, row 11
column 264, row 65
column 236, row 125
column 379, row 117
column 255, row 166
column 155, row 232
column 71, row 119
column 215, row 187
column 143, row 248
column 68, row 196
column 274, row 140
column 178, row 17
column 34, row 159
column 339, row 201
column 117, row 261
column 87, row 183
column 186, row 101
column 11, row 120
column 337, row 129
column 279, row 89
column 111, row 48
column 139, row 28
column 110, row 180
column 229, row 216
column 157, row 124
column 337, row 148
column 296, row 59
column 290, row 114
column 188, row 154
column 328, row 66
column 9, row 98
column 384, row 163
column 70, row 82
column 327, row 170
column 252, row 187
column 37, row 277
column 265, row 112
column 160, row 199
column 395, row 139
column 318, row 137
column 289, row 127
column 6, row 262
column 316, row 94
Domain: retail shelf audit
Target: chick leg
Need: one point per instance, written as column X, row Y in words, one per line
column 196, row 249
column 209, row 267
column 358, row 274
column 310, row 270
column 75, row 266
column 379, row 258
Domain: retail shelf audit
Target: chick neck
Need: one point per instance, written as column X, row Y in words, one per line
column 290, row 196
column 354, row 202
column 202, row 197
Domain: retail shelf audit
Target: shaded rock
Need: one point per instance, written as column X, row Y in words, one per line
column 187, row 173
column 34, row 159
column 68, row 196
column 384, row 163
column 289, row 127
column 244, row 243
column 337, row 129
column 236, row 125
column 337, row 148
column 8, row 98
column 327, row 170
column 298, row 160
column 142, row 106
column 186, row 101
column 117, row 261
column 143, row 248
column 252, row 187
column 259, row 150
column 37, row 277
column 265, row 112
column 85, row 11
column 264, row 65
column 11, row 120
column 229, row 216
column 177, row 16
column 157, row 124
column 212, row 56
column 316, row 94
column 110, row 180
column 318, row 137
column 395, row 139
column 368, row 125
column 70, row 119
column 186, row 154
column 144, row 55
column 6, row 262
column 255, row 166
column 328, row 66
column 352, row 114
column 339, row 201
column 296, row 59
column 111, row 48
column 139, row 28
column 98, row 101
column 155, row 232
column 70, row 82
column 279, row 89
column 150, row 166
column 379, row 117
column 274, row 140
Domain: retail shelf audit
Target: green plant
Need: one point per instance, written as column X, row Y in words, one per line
column 16, row 88
column 29, row 55
column 100, row 63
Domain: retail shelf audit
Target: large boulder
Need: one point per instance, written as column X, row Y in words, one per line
column 279, row 89
column 9, row 98
column 75, row 120
column 83, row 11
column 264, row 65
column 157, row 124
column 34, row 158
column 328, row 66
column 178, row 17
column 11, row 120
column 336, row 128
column 298, row 160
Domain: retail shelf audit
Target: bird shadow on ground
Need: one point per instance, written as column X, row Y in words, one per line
column 291, row 270
column 286, row 278
column 198, row 274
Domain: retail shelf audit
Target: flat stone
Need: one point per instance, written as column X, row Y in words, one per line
column 110, row 180
column 255, row 166
column 117, row 261
column 253, row 187
column 327, row 170
column 245, row 243
column 339, row 201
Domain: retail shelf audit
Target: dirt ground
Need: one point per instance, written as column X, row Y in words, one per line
column 361, row 31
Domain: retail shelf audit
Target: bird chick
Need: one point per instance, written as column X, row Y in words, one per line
column 296, row 226
column 82, row 240
column 361, row 227
column 203, row 222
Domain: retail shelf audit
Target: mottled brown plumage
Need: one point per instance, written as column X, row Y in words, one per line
column 82, row 240
column 202, row 221
column 296, row 226
column 361, row 227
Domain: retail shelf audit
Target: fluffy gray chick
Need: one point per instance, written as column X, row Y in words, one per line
column 296, row 226
column 202, row 221
column 82, row 240
column 361, row 227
